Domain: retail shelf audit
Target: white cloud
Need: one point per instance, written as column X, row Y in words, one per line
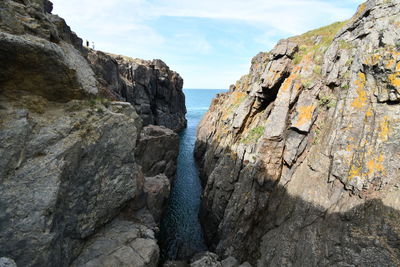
column 123, row 26
column 291, row 16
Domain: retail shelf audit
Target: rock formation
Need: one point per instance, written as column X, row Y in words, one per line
column 150, row 86
column 300, row 158
column 78, row 185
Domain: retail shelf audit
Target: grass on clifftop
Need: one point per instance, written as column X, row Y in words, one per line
column 308, row 42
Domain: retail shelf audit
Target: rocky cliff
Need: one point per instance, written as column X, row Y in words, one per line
column 150, row 86
column 300, row 158
column 79, row 184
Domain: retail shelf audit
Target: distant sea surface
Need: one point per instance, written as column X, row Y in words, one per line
column 180, row 231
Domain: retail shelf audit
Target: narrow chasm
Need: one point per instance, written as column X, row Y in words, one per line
column 181, row 234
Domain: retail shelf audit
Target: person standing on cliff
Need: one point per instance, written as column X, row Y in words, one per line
column 87, row 43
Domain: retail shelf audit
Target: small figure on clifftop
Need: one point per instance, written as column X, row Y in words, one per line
column 87, row 43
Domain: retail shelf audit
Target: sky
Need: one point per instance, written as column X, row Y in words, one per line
column 210, row 43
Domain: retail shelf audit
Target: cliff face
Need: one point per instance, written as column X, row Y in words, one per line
column 78, row 183
column 150, row 86
column 299, row 158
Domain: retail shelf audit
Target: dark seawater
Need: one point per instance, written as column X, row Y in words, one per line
column 180, row 230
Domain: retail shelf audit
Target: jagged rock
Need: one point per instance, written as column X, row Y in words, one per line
column 6, row 262
column 284, row 48
column 57, row 72
column 51, row 185
column 68, row 165
column 158, row 150
column 306, row 175
column 206, row 259
column 121, row 243
column 34, row 18
column 154, row 90
column 230, row 262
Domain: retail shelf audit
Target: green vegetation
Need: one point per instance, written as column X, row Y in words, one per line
column 317, row 69
column 316, row 41
column 398, row 46
column 317, row 136
column 345, row 86
column 345, row 45
column 306, row 83
column 98, row 100
column 254, row 135
column 327, row 101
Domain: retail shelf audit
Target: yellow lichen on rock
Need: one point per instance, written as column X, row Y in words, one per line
column 369, row 112
column 390, row 63
column 288, row 82
column 394, row 79
column 305, row 115
column 384, row 129
column 354, row 171
column 372, row 60
column 361, row 100
column 375, row 165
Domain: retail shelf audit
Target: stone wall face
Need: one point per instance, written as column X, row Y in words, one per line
column 75, row 184
column 299, row 158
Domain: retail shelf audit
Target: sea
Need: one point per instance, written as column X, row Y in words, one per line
column 181, row 234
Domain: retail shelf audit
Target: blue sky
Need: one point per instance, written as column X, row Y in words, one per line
column 209, row 42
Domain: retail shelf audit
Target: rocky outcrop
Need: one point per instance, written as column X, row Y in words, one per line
column 150, row 86
column 157, row 151
column 299, row 157
column 6, row 262
column 75, row 187
column 122, row 243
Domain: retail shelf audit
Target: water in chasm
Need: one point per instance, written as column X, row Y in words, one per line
column 180, row 230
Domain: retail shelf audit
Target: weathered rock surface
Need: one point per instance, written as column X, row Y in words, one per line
column 72, row 188
column 299, row 158
column 6, row 262
column 209, row 259
column 150, row 86
column 157, row 190
column 121, row 243
column 67, row 169
column 157, row 151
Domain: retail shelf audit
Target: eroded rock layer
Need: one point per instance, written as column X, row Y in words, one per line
column 78, row 182
column 300, row 158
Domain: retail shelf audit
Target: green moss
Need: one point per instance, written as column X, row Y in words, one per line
column 317, row 69
column 254, row 135
column 92, row 102
column 317, row 136
column 345, row 86
column 327, row 101
column 345, row 45
column 306, row 83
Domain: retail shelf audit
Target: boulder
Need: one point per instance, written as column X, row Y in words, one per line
column 157, row 190
column 157, row 151
column 121, row 243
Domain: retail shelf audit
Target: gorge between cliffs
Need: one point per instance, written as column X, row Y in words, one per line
column 105, row 162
